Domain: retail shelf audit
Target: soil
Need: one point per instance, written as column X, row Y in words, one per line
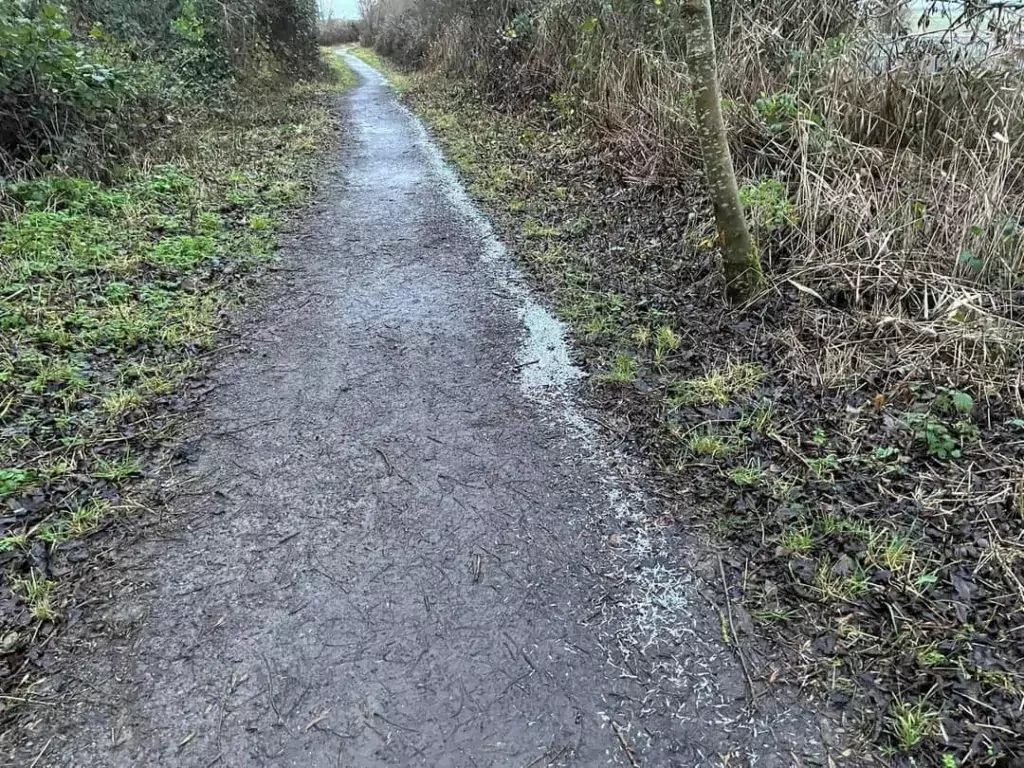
column 398, row 537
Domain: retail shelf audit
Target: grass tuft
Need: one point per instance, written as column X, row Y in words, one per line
column 718, row 386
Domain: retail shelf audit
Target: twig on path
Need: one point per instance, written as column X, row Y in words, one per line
column 391, row 469
column 732, row 629
column 601, row 423
column 627, row 750
column 318, row 719
column 246, row 428
column 270, row 697
column 548, row 758
column 392, row 723
column 387, row 461
column 520, row 366
column 42, row 752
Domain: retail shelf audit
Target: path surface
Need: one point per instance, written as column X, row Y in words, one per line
column 402, row 544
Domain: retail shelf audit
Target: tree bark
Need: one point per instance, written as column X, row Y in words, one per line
column 740, row 260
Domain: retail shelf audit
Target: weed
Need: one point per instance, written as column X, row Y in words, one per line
column 931, row 656
column 117, row 470
column 666, row 341
column 554, row 253
column 718, row 386
column 713, row 445
column 13, row 481
column 885, row 457
column 761, row 417
column 823, row 467
column 752, row 474
column 624, row 371
column 797, row 540
column 784, row 488
column 836, row 583
column 953, row 402
column 835, row 524
column 768, row 205
column 937, row 437
column 1006, row 682
column 912, row 723
column 119, row 403
column 14, row 541
column 890, row 551
column 38, row 593
column 778, row 110
column 642, row 337
column 87, row 518
column 775, row 615
column 536, row 229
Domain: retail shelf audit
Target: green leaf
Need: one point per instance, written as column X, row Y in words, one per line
column 972, row 262
column 962, row 402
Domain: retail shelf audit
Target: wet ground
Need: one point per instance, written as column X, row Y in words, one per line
column 400, row 540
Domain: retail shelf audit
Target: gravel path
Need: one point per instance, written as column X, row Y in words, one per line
column 403, row 542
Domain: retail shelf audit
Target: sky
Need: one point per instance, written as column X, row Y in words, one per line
column 340, row 9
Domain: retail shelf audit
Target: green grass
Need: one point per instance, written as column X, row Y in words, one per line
column 750, row 475
column 400, row 81
column 910, row 724
column 536, row 229
column 344, row 78
column 37, row 592
column 666, row 341
column 718, row 386
column 797, row 540
column 623, row 371
column 713, row 444
column 111, row 294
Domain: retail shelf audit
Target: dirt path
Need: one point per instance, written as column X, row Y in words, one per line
column 403, row 542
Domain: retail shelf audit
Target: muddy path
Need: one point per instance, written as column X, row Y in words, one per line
column 402, row 541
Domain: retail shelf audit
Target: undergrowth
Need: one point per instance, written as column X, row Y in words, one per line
column 111, row 297
column 874, row 527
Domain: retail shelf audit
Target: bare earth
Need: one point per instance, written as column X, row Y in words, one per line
column 403, row 541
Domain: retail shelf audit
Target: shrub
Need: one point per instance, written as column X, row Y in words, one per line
column 78, row 91
column 58, row 97
column 338, row 32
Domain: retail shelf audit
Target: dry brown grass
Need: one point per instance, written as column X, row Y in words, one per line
column 899, row 155
column 338, row 32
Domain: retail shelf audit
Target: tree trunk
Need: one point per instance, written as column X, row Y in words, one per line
column 740, row 261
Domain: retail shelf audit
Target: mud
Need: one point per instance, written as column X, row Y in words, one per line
column 401, row 541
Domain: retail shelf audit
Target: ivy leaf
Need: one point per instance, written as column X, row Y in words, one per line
column 972, row 262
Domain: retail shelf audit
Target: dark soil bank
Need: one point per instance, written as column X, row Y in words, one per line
column 398, row 541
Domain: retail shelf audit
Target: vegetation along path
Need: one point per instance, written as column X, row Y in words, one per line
column 402, row 541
